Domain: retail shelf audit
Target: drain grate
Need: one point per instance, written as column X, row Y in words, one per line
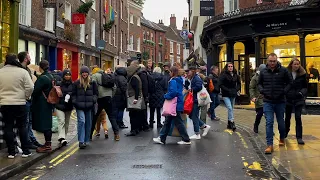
column 304, row 137
column 258, row 174
column 147, row 166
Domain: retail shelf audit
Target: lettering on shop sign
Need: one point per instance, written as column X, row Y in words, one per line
column 32, row 37
column 276, row 26
column 49, row 3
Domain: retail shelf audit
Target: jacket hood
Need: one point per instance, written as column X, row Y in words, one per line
column 121, row 71
column 157, row 76
column 131, row 70
column 142, row 70
column 178, row 79
column 301, row 71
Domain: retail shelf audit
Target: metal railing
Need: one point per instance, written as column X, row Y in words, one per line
column 256, row 8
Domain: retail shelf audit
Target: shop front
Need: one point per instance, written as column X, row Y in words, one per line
column 107, row 60
column 40, row 45
column 247, row 40
column 89, row 57
column 68, row 58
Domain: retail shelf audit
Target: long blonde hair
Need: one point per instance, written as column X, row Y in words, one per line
column 85, row 83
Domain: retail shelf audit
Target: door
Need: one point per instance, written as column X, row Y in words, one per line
column 244, row 70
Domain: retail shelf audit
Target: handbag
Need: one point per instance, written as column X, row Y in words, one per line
column 203, row 97
column 137, row 106
column 170, row 107
column 188, row 103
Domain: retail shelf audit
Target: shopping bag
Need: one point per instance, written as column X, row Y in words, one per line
column 173, row 129
column 54, row 124
column 188, row 103
column 170, row 107
column 203, row 97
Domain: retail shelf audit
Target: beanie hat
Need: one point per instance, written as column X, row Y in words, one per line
column 262, row 67
column 84, row 69
column 66, row 72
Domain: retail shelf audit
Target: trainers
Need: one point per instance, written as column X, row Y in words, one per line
column 206, row 130
column 269, row 150
column 26, row 154
column 158, row 140
column 117, row 137
column 82, row 145
column 281, row 142
column 12, row 156
column 98, row 135
column 184, row 143
column 106, row 135
column 195, row 137
column 18, row 150
column 64, row 142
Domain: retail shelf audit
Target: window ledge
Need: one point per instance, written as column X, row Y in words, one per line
column 49, row 30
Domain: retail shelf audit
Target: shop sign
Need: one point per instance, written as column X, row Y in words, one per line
column 78, row 18
column 207, row 8
column 29, row 36
column 49, row 3
column 276, row 26
column 101, row 44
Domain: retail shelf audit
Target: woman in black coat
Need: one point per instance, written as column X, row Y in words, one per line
column 296, row 97
column 120, row 98
column 64, row 107
column 156, row 99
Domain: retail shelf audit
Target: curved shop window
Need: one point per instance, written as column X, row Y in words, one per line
column 4, row 27
column 284, row 46
column 313, row 64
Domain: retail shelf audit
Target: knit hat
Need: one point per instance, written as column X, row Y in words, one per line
column 262, row 67
column 66, row 72
column 84, row 69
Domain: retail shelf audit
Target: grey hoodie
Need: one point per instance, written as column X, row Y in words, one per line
column 103, row 92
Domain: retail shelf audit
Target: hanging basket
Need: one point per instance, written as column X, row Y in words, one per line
column 107, row 26
column 85, row 8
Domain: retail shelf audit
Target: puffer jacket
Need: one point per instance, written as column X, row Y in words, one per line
column 196, row 86
column 298, row 90
column 156, row 99
column 120, row 97
column 84, row 99
column 66, row 88
column 254, row 91
column 274, row 85
column 229, row 84
column 175, row 90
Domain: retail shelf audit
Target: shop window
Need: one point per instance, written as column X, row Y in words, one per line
column 25, row 12
column 5, row 29
column 49, row 19
column 32, row 51
column 68, row 11
column 138, row 44
column 93, row 32
column 67, row 59
column 82, row 33
column 178, row 48
column 21, row 45
column 313, row 64
column 42, row 52
column 222, row 56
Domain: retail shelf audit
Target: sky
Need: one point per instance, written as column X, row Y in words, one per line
column 154, row 10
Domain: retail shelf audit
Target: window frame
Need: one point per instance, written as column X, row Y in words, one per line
column 178, row 48
column 82, row 33
column 49, row 20
column 171, row 47
column 93, row 32
column 138, row 44
column 94, row 5
column 138, row 22
column 68, row 14
column 131, row 19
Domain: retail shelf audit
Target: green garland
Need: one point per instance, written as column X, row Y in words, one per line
column 107, row 26
column 85, row 7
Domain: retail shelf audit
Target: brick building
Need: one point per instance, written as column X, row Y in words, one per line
column 134, row 39
column 153, row 41
column 245, row 32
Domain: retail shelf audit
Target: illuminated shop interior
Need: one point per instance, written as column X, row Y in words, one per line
column 4, row 28
column 67, row 59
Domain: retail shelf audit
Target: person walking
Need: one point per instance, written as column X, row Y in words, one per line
column 256, row 97
column 24, row 59
column 15, row 87
column 274, row 83
column 143, row 74
column 40, row 108
column 175, row 90
column 214, row 90
column 64, row 107
column 156, row 99
column 120, row 98
column 230, row 85
column 296, row 97
column 84, row 97
column 105, row 101
column 195, row 87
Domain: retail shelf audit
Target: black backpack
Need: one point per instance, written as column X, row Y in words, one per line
column 151, row 84
column 107, row 80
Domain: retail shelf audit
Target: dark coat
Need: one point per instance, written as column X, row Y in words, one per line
column 142, row 73
column 66, row 88
column 215, row 81
column 120, row 97
column 84, row 99
column 156, row 99
column 229, row 85
column 40, row 108
column 196, row 86
column 166, row 77
column 298, row 90
column 273, row 85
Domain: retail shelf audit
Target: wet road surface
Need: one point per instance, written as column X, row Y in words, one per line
column 220, row 155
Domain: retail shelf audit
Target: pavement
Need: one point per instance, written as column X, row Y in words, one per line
column 11, row 167
column 222, row 155
column 292, row 161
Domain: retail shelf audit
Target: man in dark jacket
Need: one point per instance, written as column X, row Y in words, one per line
column 142, row 73
column 274, row 83
column 166, row 73
column 214, row 90
column 120, row 98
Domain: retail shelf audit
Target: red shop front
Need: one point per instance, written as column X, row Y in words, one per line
column 68, row 58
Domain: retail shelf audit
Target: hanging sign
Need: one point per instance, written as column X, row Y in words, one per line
column 78, row 18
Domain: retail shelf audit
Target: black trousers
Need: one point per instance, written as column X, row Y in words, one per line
column 297, row 114
column 106, row 104
column 178, row 122
column 47, row 135
column 152, row 110
column 259, row 114
column 144, row 119
column 12, row 114
column 135, row 120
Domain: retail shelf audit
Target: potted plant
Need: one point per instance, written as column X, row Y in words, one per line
column 107, row 26
column 85, row 8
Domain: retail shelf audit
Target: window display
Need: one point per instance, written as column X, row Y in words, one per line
column 313, row 64
column 67, row 59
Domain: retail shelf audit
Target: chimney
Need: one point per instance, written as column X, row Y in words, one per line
column 160, row 21
column 185, row 24
column 173, row 21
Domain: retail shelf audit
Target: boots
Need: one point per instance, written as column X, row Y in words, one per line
column 151, row 124
column 229, row 125
column 299, row 135
column 255, row 128
column 269, row 150
column 46, row 148
column 233, row 126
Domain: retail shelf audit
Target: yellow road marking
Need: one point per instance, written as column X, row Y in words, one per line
column 25, row 178
column 242, row 140
column 229, row 131
column 64, row 152
column 64, row 158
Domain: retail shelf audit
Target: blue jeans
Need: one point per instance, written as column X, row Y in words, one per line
column 194, row 116
column 229, row 102
column 119, row 116
column 214, row 104
column 84, row 125
column 31, row 138
column 269, row 110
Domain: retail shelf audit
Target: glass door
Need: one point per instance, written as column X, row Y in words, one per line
column 245, row 71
